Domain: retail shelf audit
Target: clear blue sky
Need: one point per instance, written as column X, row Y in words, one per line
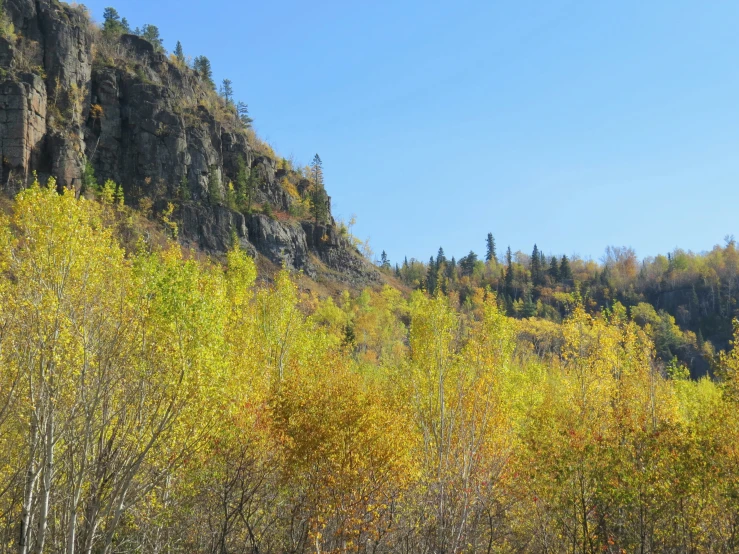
column 572, row 124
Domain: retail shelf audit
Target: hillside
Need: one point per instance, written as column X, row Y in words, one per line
column 195, row 357
column 93, row 106
column 687, row 299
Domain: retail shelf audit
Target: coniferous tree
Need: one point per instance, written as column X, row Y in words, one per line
column 431, row 276
column 179, row 53
column 201, row 64
column 317, row 170
column 151, row 33
column 535, row 266
column 227, row 90
column 440, row 258
column 384, row 262
column 554, row 270
column 468, row 263
column 243, row 111
column 451, row 270
column 490, row 254
column 509, row 272
column 318, row 196
column 565, row 271
column 112, row 24
column 529, row 307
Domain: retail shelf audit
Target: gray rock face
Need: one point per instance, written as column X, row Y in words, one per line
column 339, row 255
column 282, row 243
column 22, row 126
column 214, row 229
column 141, row 121
column 56, row 43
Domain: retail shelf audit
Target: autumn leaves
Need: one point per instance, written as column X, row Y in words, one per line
column 154, row 403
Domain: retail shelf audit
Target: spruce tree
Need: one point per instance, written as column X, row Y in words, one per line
column 179, row 53
column 535, row 266
column 451, row 269
column 509, row 273
column 318, row 196
column 431, row 276
column 317, row 170
column 554, row 270
column 490, row 254
column 440, row 258
column 529, row 307
column 565, row 272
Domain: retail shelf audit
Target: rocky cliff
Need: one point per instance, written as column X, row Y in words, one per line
column 74, row 101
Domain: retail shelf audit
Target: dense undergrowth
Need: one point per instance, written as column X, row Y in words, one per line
column 153, row 403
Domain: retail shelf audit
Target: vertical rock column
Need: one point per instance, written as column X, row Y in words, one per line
column 22, row 129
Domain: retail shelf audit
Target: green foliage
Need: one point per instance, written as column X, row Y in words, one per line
column 227, row 90
column 89, row 182
column 201, row 64
column 242, row 111
column 7, row 29
column 179, row 53
column 151, row 33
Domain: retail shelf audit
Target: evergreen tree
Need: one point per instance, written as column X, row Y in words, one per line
column 112, row 24
column 529, row 307
column 243, row 112
column 451, row 269
column 431, row 276
column 509, row 272
column 554, row 270
column 565, row 271
column 318, row 196
column 201, row 64
column 227, row 91
column 179, row 53
column 440, row 258
column 490, row 254
column 384, row 262
column 151, row 33
column 468, row 263
column 316, row 167
column 125, row 27
column 535, row 266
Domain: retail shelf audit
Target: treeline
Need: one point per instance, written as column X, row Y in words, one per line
column 114, row 26
column 688, row 300
column 153, row 403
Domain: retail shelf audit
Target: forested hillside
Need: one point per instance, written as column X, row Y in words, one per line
column 685, row 301
column 173, row 380
column 153, row 403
